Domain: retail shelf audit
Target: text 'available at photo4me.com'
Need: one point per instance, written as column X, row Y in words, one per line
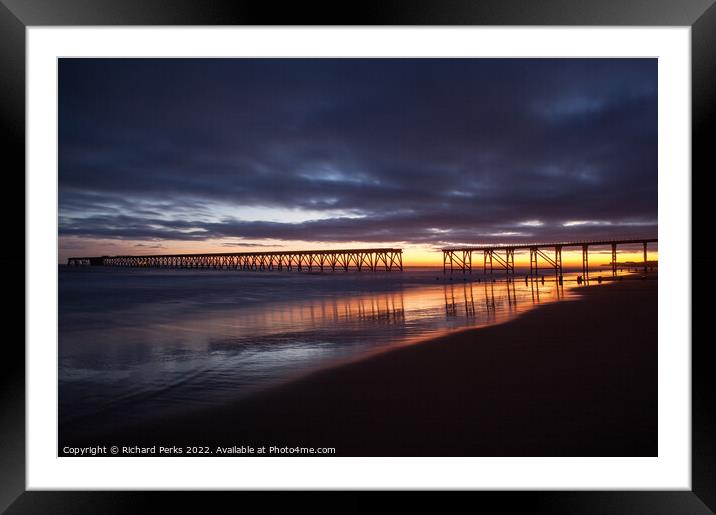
column 203, row 450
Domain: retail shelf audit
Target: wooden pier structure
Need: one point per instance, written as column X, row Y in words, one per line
column 374, row 260
column 502, row 257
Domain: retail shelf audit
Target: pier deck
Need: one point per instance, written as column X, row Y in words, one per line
column 374, row 260
column 460, row 258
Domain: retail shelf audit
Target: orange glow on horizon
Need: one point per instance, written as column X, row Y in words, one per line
column 570, row 258
column 413, row 255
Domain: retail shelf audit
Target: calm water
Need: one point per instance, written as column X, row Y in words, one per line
column 136, row 344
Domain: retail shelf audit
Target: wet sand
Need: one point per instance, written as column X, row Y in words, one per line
column 574, row 378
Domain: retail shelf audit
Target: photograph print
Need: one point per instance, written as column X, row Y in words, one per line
column 357, row 257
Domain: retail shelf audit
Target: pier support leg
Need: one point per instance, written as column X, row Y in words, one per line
column 534, row 267
column 558, row 262
column 510, row 255
column 585, row 261
column 614, row 259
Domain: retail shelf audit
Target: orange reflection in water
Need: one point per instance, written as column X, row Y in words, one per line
column 413, row 313
column 381, row 319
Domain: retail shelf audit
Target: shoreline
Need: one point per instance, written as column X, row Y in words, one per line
column 574, row 378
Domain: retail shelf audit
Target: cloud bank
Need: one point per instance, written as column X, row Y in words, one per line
column 425, row 151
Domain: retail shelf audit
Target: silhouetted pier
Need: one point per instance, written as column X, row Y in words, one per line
column 502, row 257
column 374, row 260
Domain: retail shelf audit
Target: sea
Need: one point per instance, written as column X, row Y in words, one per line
column 138, row 344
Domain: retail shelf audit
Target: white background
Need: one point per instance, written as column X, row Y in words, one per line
column 672, row 467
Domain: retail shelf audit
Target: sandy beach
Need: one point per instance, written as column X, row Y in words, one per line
column 575, row 378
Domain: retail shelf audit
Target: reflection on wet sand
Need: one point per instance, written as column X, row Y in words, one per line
column 498, row 297
column 388, row 309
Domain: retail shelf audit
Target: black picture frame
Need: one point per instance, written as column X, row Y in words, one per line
column 17, row 15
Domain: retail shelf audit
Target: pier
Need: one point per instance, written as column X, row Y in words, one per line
column 502, row 257
column 374, row 260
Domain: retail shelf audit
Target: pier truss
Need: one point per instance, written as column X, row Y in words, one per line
column 502, row 257
column 374, row 260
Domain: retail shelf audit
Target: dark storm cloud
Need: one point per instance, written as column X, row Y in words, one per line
column 435, row 151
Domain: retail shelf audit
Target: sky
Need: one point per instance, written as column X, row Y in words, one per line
column 231, row 155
